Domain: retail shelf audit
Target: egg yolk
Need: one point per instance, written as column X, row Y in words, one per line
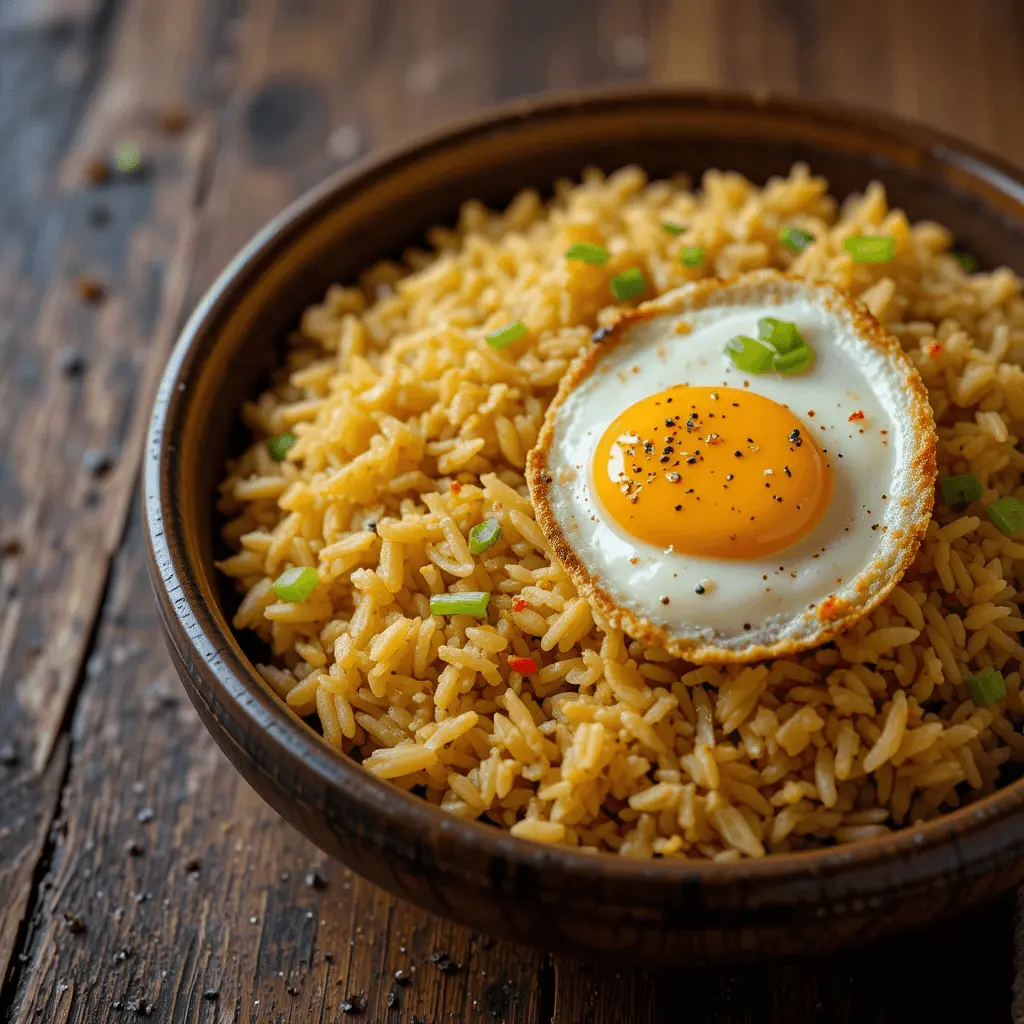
column 712, row 472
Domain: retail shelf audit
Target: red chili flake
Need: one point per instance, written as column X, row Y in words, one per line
column 455, row 487
column 97, row 171
column 524, row 666
column 518, row 604
column 857, row 414
column 934, row 350
column 90, row 289
column 174, row 120
column 829, row 608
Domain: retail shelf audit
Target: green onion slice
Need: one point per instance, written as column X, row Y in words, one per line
column 483, row 536
column 1007, row 514
column 794, row 362
column 987, row 687
column 966, row 260
column 672, row 229
column 628, row 285
column 782, row 335
column 587, row 252
column 779, row 346
column 127, row 157
column 960, row 489
column 296, row 584
column 871, row 248
column 471, row 602
column 749, row 354
column 691, row 255
column 795, row 238
column 279, row 444
column 504, row 337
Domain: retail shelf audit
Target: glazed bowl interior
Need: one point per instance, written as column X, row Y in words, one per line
column 376, row 210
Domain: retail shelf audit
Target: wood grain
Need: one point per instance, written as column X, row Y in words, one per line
column 70, row 516
column 120, row 813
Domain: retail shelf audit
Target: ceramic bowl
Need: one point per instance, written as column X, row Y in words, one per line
column 566, row 902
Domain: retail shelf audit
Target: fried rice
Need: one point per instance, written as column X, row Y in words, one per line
column 410, row 429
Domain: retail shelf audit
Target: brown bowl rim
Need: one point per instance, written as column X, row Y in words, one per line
column 235, row 683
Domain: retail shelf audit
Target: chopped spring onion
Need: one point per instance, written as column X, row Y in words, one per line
column 587, row 252
column 504, row 337
column 692, row 255
column 960, row 489
column 790, row 363
column 628, row 285
column 1007, row 514
column 470, row 602
column 782, row 335
column 524, row 666
column 127, row 157
column 749, row 354
column 986, row 687
column 871, row 248
column 672, row 229
column 279, row 444
column 483, row 536
column 779, row 346
column 966, row 260
column 795, row 238
column 296, row 584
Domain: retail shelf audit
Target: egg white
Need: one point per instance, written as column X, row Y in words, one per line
column 878, row 507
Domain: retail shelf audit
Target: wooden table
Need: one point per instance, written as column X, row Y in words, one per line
column 139, row 877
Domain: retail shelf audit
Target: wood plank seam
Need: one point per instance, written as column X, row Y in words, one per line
column 98, row 40
column 57, row 759
column 63, row 748
column 18, row 961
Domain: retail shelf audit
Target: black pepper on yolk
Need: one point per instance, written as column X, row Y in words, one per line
column 712, row 472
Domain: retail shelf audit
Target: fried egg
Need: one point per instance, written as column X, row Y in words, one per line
column 726, row 515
